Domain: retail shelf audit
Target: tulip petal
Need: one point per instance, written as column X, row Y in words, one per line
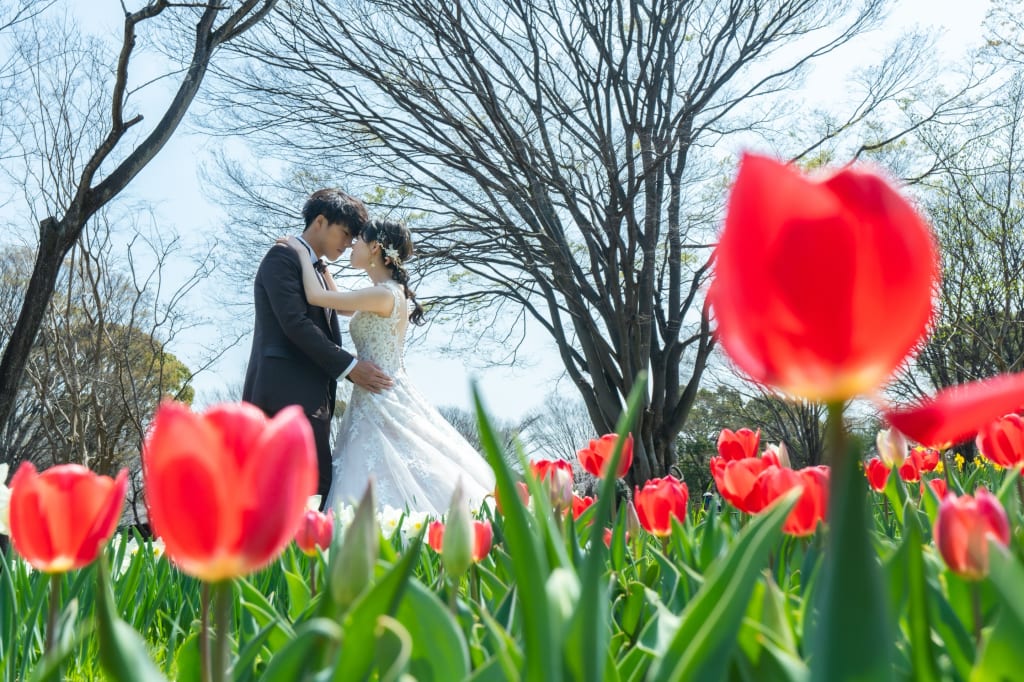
column 190, row 489
column 799, row 271
column 30, row 535
column 957, row 413
column 280, row 467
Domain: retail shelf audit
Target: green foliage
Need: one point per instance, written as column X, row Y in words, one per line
column 724, row 597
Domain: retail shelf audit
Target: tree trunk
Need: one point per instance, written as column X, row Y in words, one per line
column 54, row 242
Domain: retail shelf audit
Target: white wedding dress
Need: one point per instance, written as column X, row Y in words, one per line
column 396, row 437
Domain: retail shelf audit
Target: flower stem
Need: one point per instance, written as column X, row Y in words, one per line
column 312, row 575
column 51, row 621
column 976, row 612
column 453, row 598
column 1020, row 487
column 204, row 634
column 851, row 637
column 222, row 614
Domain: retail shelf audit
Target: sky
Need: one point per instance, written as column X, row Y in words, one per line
column 171, row 185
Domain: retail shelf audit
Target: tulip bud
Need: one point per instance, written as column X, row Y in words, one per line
column 315, row 532
column 352, row 568
column 963, row 528
column 457, row 544
column 781, row 454
column 559, row 484
column 632, row 521
column 892, row 447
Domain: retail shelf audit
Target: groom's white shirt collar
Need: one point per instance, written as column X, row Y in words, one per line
column 312, row 253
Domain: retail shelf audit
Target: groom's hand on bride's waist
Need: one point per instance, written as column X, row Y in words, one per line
column 370, row 376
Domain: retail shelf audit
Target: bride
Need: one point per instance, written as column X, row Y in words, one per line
column 414, row 456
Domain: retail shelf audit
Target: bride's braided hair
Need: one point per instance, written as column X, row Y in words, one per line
column 396, row 247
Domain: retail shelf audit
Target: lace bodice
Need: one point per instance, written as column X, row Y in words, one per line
column 396, row 437
column 379, row 339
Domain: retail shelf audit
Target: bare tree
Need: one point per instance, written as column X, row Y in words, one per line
column 101, row 362
column 559, row 428
column 976, row 204
column 1005, row 31
column 79, row 142
column 563, row 151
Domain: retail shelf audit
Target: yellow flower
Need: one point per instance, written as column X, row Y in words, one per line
column 959, row 459
column 939, row 467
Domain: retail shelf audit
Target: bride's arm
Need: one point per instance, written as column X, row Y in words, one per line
column 331, row 286
column 372, row 299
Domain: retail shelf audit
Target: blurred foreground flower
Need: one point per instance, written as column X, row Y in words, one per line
column 957, row 413
column 226, row 489
column 1002, row 441
column 800, row 270
column 61, row 518
column 963, row 528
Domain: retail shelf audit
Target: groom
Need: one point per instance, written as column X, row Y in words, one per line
column 296, row 356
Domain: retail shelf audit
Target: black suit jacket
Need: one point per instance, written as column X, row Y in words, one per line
column 296, row 357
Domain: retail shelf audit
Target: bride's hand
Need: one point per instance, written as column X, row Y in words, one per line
column 290, row 241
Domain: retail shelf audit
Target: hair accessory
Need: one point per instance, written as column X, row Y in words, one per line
column 392, row 254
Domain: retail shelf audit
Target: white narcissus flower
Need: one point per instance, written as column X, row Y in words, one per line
column 5, row 501
column 390, row 519
column 414, row 523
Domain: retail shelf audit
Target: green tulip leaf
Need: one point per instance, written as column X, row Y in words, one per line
column 702, row 645
column 123, row 652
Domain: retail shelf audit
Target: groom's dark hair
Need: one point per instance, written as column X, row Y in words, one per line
column 337, row 207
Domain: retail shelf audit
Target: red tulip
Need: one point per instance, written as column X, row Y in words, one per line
column 60, row 519
column 962, row 530
column 739, row 444
column 435, row 535
column 735, row 479
column 593, row 458
column 522, row 490
column 543, row 468
column 315, row 531
column 658, row 502
column 812, row 505
column 918, row 461
column 877, row 473
column 483, row 537
column 1002, row 441
column 927, row 458
column 226, row 489
column 938, row 485
column 608, row 537
column 801, row 269
column 580, row 505
column 955, row 414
